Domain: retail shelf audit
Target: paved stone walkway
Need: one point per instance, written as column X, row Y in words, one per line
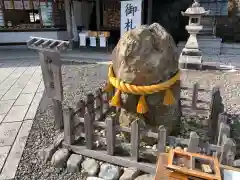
column 21, row 89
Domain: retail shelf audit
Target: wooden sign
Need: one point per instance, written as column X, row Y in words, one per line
column 18, row 4
column 52, row 77
column 8, row 5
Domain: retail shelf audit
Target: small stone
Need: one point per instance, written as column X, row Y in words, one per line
column 185, row 149
column 146, row 177
column 94, row 178
column 130, row 173
column 58, row 140
column 59, row 158
column 109, row 172
column 74, row 162
column 167, row 149
column 90, row 166
column 45, row 154
column 149, row 147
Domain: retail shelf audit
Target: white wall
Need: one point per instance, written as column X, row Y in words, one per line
column 15, row 37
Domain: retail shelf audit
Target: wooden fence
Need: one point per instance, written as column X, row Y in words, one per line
column 95, row 113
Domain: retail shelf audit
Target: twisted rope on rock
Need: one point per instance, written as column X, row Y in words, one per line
column 140, row 90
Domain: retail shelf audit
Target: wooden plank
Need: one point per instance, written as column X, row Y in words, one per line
column 216, row 107
column 149, row 11
column 58, row 114
column 135, row 140
column 195, row 95
column 68, row 126
column 111, row 135
column 67, row 7
column 88, row 127
column 162, row 139
column 98, row 15
column 81, row 108
column 118, row 160
column 90, row 106
column 51, row 70
column 47, row 75
column 99, row 104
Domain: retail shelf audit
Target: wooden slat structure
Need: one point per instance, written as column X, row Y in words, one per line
column 81, row 123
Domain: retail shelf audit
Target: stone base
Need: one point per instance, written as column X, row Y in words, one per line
column 184, row 60
column 207, row 44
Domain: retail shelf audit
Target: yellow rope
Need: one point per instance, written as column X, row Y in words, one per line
column 139, row 90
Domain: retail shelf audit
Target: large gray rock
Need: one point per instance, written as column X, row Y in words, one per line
column 60, row 158
column 146, row 177
column 144, row 56
column 90, row 166
column 73, row 163
column 109, row 172
column 130, row 173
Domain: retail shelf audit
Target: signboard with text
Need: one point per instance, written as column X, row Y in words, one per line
column 131, row 15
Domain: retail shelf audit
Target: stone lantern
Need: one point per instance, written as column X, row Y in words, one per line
column 191, row 53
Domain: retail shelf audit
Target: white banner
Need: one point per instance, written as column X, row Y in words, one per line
column 131, row 15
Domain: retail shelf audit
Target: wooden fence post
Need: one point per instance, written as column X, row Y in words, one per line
column 162, row 135
column 88, row 128
column 195, row 96
column 99, row 104
column 228, row 152
column 105, row 102
column 81, row 106
column 58, row 114
column 216, row 107
column 111, row 135
column 90, row 106
column 135, row 140
column 193, row 143
column 68, row 126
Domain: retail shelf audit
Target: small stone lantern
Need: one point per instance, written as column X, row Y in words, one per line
column 191, row 49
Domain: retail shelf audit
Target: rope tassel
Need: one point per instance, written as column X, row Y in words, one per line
column 108, row 87
column 116, row 100
column 142, row 106
column 168, row 98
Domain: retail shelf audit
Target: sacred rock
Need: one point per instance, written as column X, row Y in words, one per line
column 147, row 56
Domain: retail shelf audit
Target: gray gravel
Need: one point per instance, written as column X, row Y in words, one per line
column 82, row 79
column 78, row 80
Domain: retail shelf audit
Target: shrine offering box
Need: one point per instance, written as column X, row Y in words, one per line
column 194, row 165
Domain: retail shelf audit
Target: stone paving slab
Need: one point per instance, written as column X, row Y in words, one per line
column 12, row 94
column 20, row 94
column 24, row 99
column 3, row 155
column 5, row 106
column 13, row 159
column 2, row 117
column 8, row 132
column 16, row 113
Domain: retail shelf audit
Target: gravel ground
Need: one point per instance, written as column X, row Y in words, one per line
column 80, row 79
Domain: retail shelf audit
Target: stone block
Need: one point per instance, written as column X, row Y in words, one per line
column 16, row 113
column 24, row 99
column 60, row 158
column 45, row 154
column 130, row 173
column 109, row 172
column 8, row 132
column 73, row 163
column 146, row 177
column 90, row 166
column 11, row 165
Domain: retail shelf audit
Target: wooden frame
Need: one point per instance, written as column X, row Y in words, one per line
column 191, row 170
